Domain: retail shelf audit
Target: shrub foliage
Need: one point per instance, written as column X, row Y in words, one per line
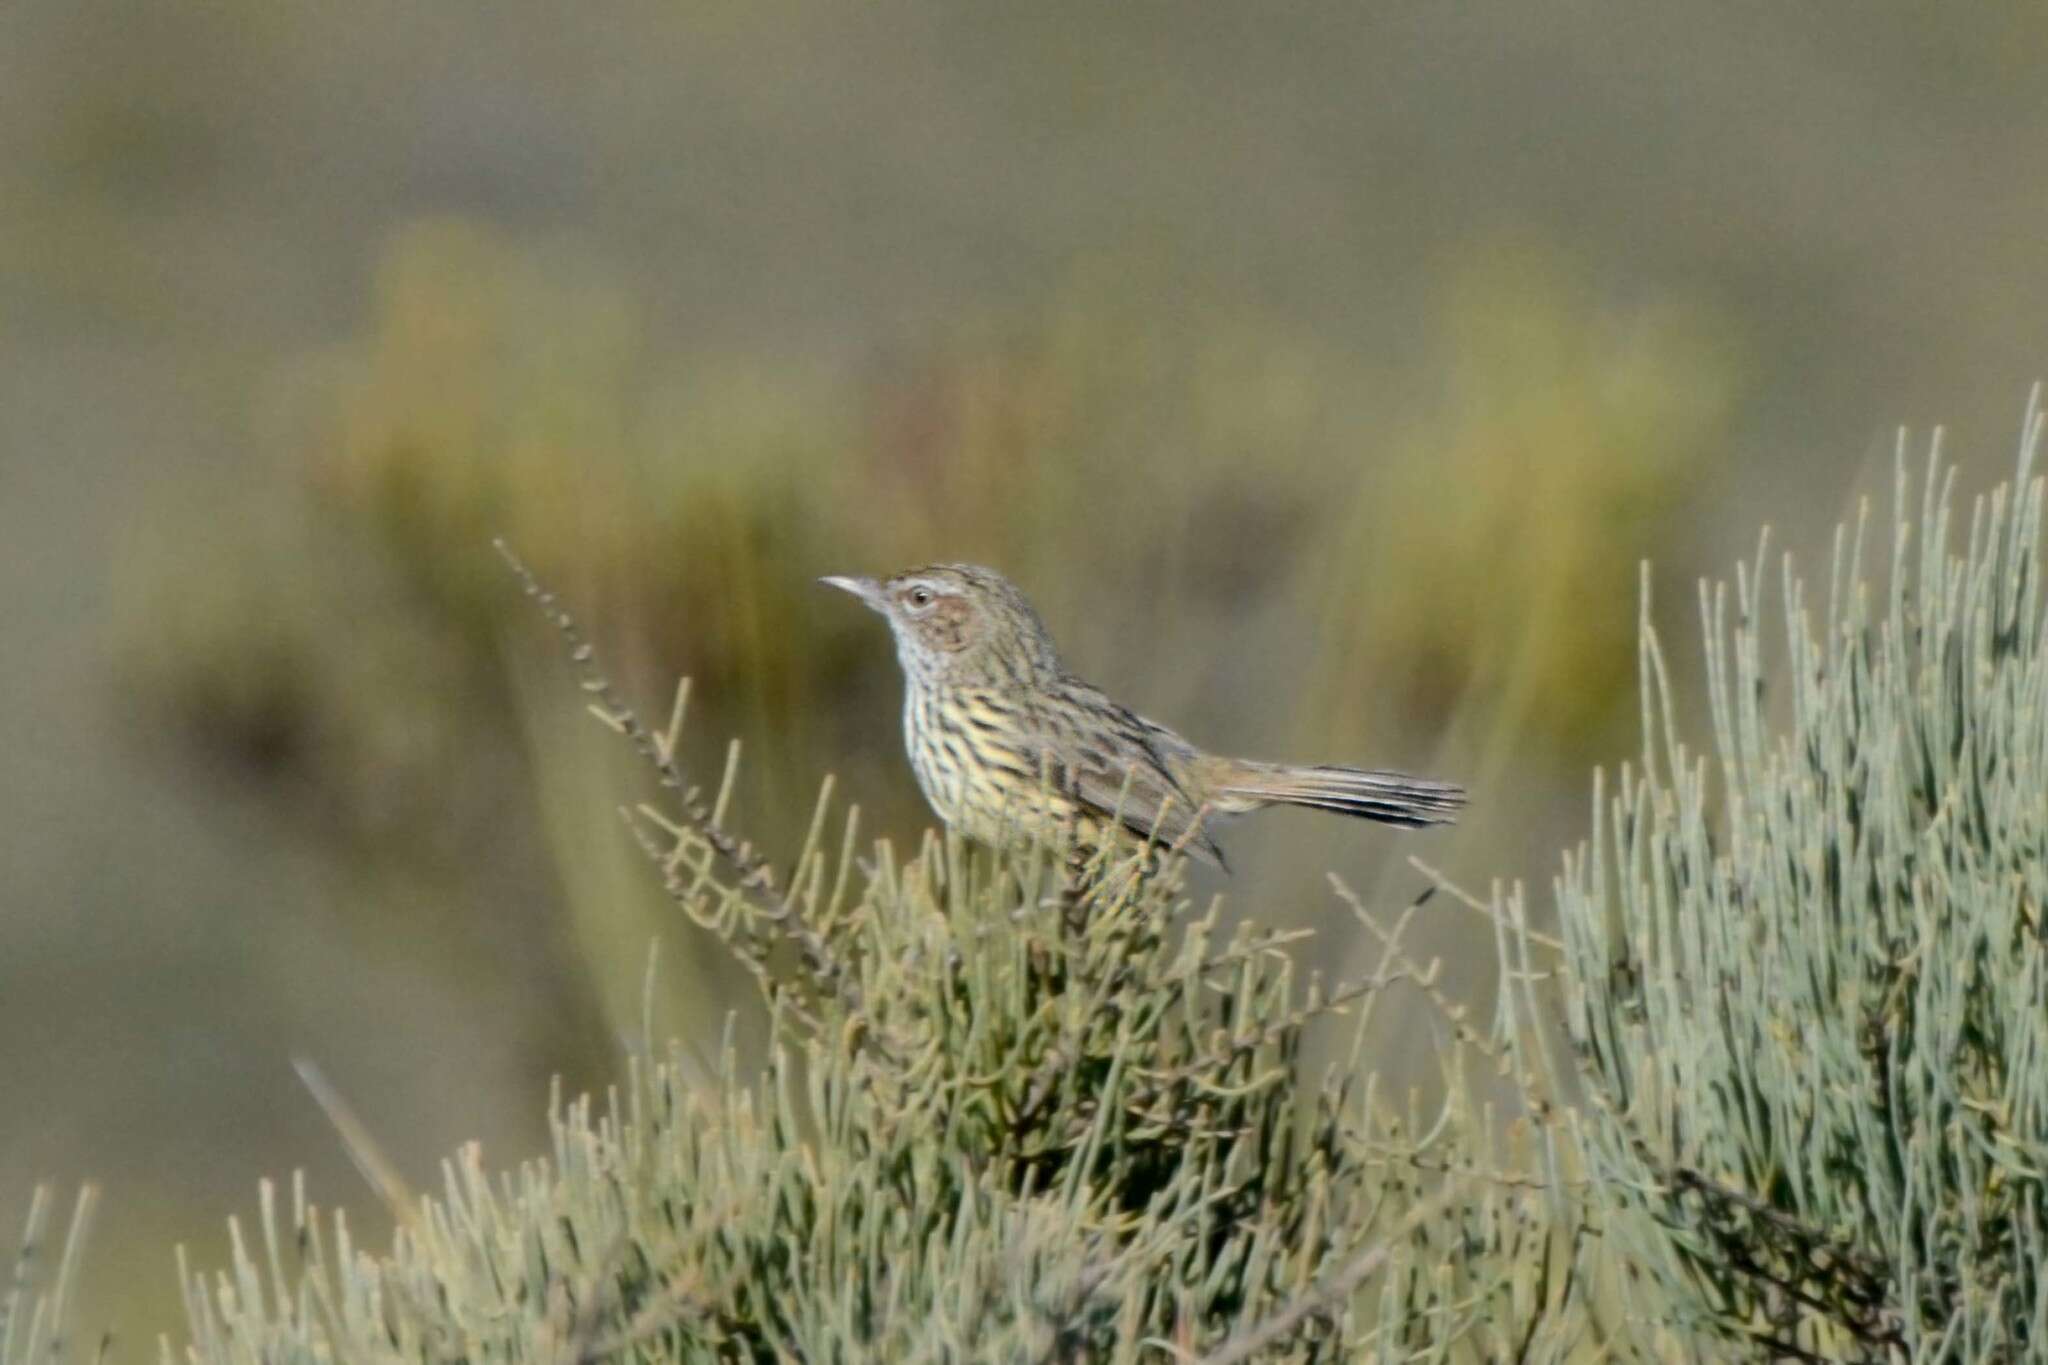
column 1810, row 967
column 1779, row 1089
column 1009, row 1111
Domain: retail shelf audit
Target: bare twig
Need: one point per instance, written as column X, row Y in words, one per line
column 756, row 878
column 370, row 1161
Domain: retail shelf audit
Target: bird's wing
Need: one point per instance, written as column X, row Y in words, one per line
column 1122, row 765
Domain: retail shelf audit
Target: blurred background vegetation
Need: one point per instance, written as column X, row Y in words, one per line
column 1323, row 372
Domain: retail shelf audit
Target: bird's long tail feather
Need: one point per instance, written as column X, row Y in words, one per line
column 1391, row 798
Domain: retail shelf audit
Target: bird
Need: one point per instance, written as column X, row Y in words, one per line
column 1003, row 737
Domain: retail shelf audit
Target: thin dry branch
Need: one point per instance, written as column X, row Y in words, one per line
column 755, row 877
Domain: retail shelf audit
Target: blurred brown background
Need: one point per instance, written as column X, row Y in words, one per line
column 1324, row 371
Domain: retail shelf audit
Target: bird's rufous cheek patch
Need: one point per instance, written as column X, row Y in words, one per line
column 946, row 627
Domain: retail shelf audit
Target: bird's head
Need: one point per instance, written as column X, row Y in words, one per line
column 958, row 623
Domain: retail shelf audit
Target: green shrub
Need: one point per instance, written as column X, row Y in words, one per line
column 1809, row 967
column 1004, row 1116
column 35, row 1301
column 1009, row 1116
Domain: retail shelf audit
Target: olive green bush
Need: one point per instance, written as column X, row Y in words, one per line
column 1007, row 1113
column 1777, row 1090
column 1809, row 966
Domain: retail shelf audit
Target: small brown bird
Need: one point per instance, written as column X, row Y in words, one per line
column 1003, row 737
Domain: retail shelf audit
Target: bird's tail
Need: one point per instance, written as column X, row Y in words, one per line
column 1391, row 798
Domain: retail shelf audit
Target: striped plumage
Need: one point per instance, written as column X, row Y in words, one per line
column 1002, row 736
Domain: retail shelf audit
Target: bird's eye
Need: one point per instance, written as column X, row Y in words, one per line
column 920, row 597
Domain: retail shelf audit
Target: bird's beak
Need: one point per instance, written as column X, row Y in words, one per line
column 866, row 589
